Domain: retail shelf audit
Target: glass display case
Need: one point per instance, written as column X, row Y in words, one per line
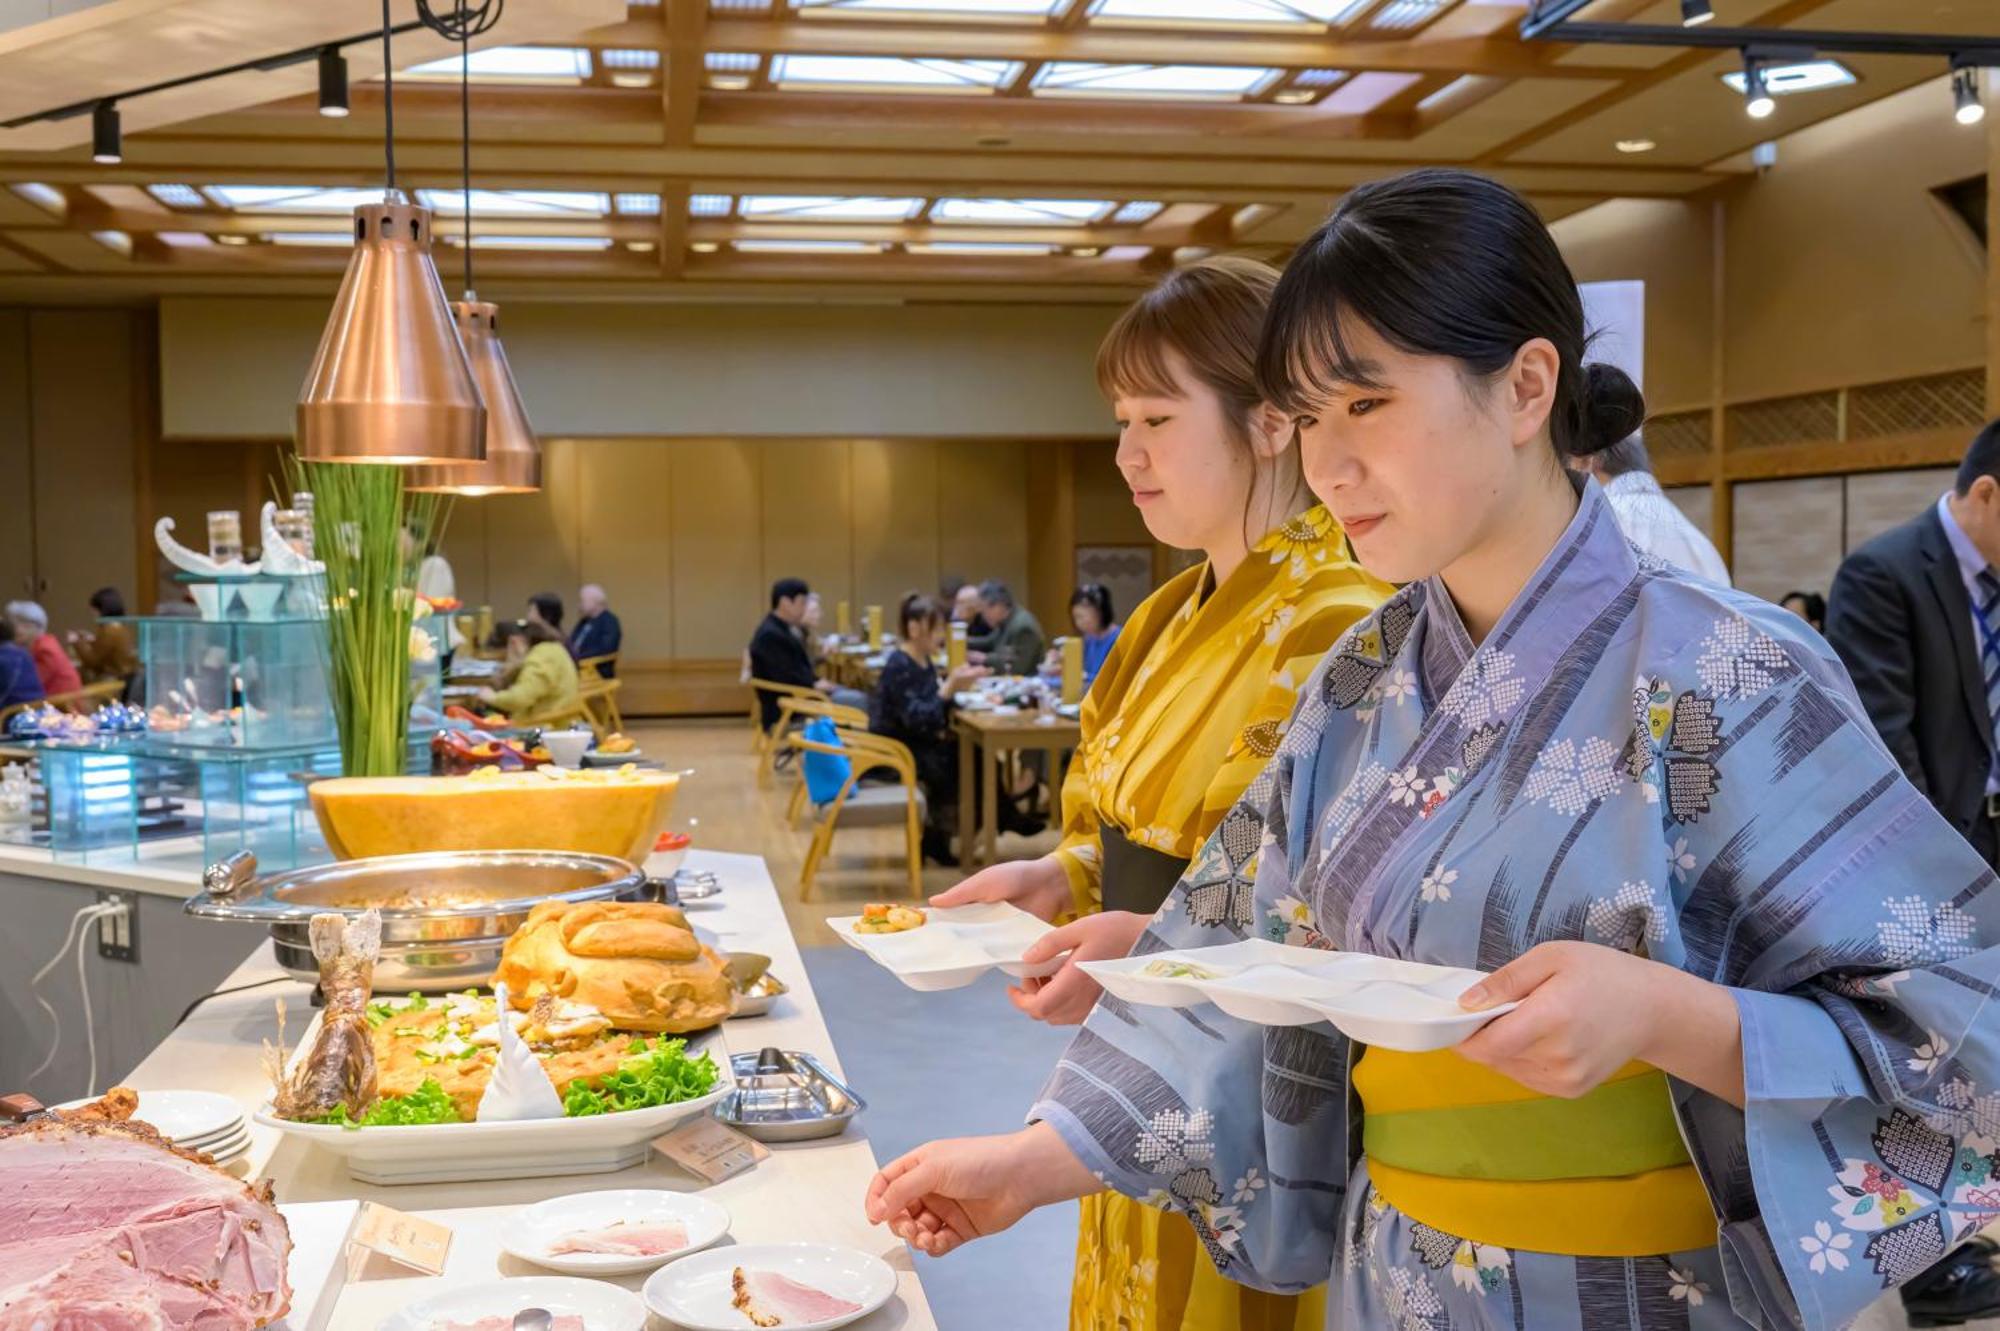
column 235, row 683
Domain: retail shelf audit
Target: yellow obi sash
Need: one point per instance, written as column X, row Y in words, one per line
column 1465, row 1150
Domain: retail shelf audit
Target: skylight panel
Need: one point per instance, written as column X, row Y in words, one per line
column 710, row 205
column 826, row 208
column 637, row 205
column 517, row 202
column 511, row 64
column 46, row 197
column 182, row 240
column 178, row 196
column 960, row 9
column 1022, row 212
column 773, row 246
column 998, row 248
column 291, row 198
column 730, row 62
column 317, row 239
column 1134, row 213
column 492, row 242
column 1810, row 76
column 1285, row 13
column 1403, row 15
column 1221, row 83
column 890, row 73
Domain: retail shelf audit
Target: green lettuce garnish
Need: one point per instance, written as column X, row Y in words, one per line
column 427, row 1104
column 660, row 1073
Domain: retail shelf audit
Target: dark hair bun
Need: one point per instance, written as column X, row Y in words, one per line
column 1613, row 409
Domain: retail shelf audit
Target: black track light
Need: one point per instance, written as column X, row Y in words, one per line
column 1757, row 99
column 1966, row 106
column 1694, row 13
column 332, row 82
column 106, row 138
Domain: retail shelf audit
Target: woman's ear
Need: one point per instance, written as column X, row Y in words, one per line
column 1271, row 431
column 1530, row 389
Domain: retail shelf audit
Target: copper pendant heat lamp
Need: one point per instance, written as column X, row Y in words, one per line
column 513, row 462
column 390, row 382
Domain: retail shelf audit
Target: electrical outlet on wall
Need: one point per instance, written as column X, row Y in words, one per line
column 118, row 935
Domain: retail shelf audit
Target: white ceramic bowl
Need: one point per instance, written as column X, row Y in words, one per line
column 530, row 1234
column 566, row 747
column 696, row 1292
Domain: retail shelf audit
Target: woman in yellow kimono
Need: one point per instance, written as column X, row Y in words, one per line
column 1184, row 712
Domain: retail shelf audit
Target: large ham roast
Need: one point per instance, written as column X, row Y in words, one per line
column 105, row 1226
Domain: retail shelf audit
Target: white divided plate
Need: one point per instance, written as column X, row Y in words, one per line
column 183, row 1117
column 530, row 1234
column 696, row 1292
column 473, row 1152
column 955, row 946
column 602, row 1307
column 1403, row 1005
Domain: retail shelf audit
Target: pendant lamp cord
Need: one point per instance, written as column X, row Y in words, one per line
column 465, row 145
column 388, row 101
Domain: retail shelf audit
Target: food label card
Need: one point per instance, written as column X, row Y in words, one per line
column 711, row 1150
column 421, row 1245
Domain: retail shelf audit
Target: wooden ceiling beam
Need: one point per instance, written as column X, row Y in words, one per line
column 673, row 227
column 1118, row 45
column 1638, row 81
column 681, row 68
column 1020, row 114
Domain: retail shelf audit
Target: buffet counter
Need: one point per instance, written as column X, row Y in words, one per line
column 809, row 1191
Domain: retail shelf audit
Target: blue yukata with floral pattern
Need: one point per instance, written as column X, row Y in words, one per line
column 1633, row 757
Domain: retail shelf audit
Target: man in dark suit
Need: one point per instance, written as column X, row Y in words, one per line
column 1915, row 615
column 597, row 632
column 777, row 651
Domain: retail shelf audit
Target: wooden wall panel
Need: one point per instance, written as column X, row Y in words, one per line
column 1697, row 502
column 532, row 541
column 82, row 399
column 1881, row 500
column 806, row 507
column 17, row 533
column 983, row 512
column 623, row 485
column 1105, row 513
column 896, row 517
column 1788, row 535
column 465, row 549
column 716, row 548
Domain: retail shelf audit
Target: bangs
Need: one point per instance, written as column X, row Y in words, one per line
column 1132, row 359
column 1307, row 352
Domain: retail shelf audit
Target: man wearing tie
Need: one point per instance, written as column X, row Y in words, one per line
column 1915, row 615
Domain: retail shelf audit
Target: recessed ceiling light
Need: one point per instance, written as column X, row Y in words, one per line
column 704, row 247
column 1294, row 96
column 1807, row 76
column 1086, row 251
column 1636, row 145
column 231, row 238
column 639, row 246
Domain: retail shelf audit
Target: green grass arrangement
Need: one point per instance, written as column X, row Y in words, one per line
column 361, row 515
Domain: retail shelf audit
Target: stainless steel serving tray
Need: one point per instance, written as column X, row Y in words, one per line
column 786, row 1097
column 445, row 915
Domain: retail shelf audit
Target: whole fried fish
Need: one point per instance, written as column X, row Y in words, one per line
column 339, row 1070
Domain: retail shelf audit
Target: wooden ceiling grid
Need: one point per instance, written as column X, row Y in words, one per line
column 1347, row 102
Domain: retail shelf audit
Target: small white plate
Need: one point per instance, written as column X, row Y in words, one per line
column 531, row 1233
column 1403, row 1005
column 697, row 1293
column 239, row 1128
column 182, row 1116
column 225, row 1149
column 603, row 1307
column 955, row 945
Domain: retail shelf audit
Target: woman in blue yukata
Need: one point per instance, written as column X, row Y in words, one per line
column 1747, row 1082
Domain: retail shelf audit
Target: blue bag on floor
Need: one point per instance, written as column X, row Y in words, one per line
column 825, row 773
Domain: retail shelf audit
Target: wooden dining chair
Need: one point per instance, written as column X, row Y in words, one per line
column 874, row 805
column 592, row 667
column 793, row 713
column 763, row 742
column 599, row 697
column 86, row 699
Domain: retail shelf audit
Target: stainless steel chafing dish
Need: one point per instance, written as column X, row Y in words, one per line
column 445, row 915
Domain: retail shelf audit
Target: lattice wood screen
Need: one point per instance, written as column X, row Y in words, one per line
column 1679, row 434
column 1806, row 418
column 1909, row 405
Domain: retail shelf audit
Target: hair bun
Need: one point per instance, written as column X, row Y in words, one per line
column 1613, row 409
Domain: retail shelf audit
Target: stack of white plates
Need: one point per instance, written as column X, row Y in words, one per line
column 194, row 1120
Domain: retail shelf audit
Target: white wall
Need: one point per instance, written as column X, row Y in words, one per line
column 230, row 368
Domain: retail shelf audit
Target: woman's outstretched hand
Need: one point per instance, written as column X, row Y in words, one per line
column 943, row 1195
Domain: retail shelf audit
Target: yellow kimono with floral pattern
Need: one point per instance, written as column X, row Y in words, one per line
column 1184, row 713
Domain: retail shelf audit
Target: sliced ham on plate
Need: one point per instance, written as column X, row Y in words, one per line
column 769, row 1299
column 625, row 1240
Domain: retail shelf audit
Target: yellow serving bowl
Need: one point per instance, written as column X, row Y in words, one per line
column 601, row 812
